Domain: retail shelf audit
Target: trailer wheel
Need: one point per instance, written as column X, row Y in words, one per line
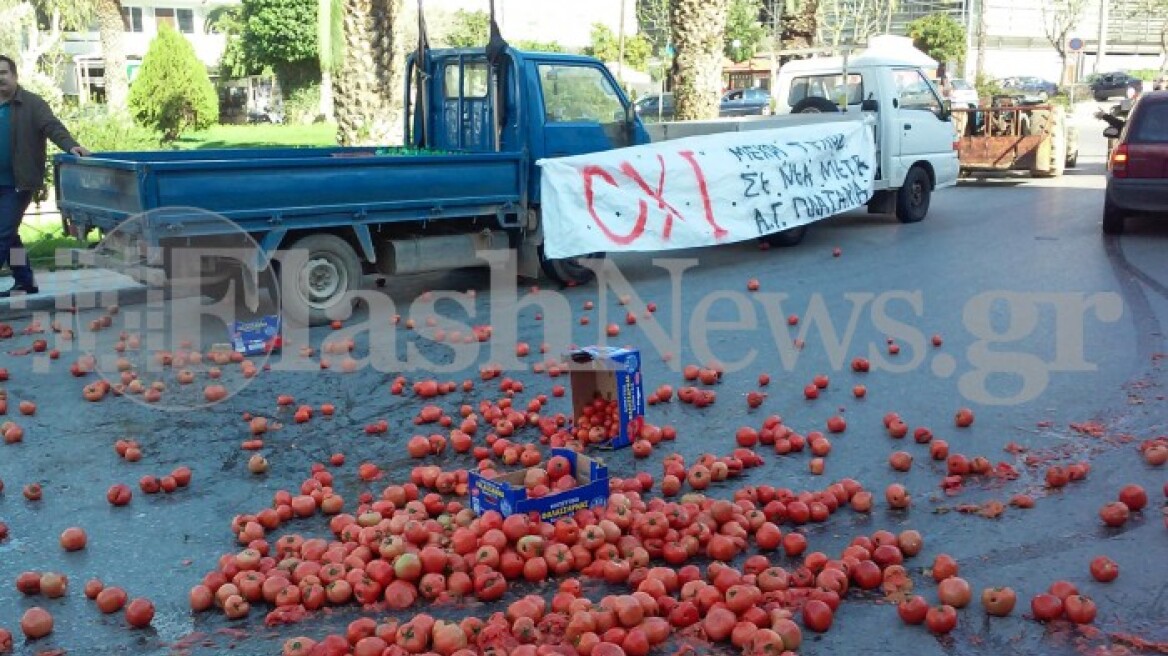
column 568, row 271
column 912, row 199
column 321, row 278
column 788, row 237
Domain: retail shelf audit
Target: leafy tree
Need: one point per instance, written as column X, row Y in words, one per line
column 653, row 22
column 743, row 27
column 282, row 34
column 173, row 93
column 539, row 46
column 606, row 47
column 939, row 36
column 697, row 27
column 228, row 21
column 468, row 29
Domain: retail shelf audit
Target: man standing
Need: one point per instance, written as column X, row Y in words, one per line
column 26, row 122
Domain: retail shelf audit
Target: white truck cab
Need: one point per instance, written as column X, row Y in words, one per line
column 915, row 138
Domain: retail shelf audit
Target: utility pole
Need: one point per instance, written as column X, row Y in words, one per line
column 981, row 39
column 967, row 9
column 776, row 44
column 620, row 66
column 1101, row 51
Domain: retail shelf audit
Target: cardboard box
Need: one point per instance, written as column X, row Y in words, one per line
column 611, row 373
column 256, row 336
column 507, row 494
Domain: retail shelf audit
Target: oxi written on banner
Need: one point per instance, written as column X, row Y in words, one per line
column 706, row 190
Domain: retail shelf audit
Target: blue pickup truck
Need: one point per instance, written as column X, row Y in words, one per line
column 466, row 180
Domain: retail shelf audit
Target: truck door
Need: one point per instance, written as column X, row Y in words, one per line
column 925, row 131
column 582, row 110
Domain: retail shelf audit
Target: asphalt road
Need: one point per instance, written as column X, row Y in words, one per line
column 1045, row 323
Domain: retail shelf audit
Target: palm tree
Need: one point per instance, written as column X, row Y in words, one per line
column 110, row 28
column 697, row 27
column 367, row 71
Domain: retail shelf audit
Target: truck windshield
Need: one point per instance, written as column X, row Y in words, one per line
column 578, row 94
column 915, row 91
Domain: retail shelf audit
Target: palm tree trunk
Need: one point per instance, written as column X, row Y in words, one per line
column 110, row 28
column 368, row 81
column 697, row 27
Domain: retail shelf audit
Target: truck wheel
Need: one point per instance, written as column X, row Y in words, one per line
column 912, row 199
column 1112, row 219
column 1072, row 160
column 785, row 238
column 814, row 105
column 323, row 281
column 568, row 271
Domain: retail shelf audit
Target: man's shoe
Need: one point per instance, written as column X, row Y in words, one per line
column 19, row 290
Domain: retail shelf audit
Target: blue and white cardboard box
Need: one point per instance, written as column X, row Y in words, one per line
column 507, row 494
column 610, row 373
column 256, row 336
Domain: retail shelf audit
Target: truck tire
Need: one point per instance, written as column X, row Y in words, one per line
column 1112, row 219
column 912, row 199
column 324, row 280
column 786, row 238
column 814, row 105
column 568, row 271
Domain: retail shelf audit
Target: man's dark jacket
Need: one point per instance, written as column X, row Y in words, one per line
column 32, row 122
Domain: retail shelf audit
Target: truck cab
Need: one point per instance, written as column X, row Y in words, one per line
column 914, row 131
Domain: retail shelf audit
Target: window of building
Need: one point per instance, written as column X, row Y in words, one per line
column 164, row 16
column 186, row 20
column 132, row 19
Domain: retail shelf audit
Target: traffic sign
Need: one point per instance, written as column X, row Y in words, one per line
column 1075, row 44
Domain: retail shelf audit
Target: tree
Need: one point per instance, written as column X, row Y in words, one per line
column 697, row 27
column 743, row 29
column 468, row 29
column 368, row 80
column 1060, row 18
column 228, row 21
column 606, row 47
column 111, row 28
column 653, row 22
column 844, row 22
column 939, row 36
column 173, row 93
column 282, row 34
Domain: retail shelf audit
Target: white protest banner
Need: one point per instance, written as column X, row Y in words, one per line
column 705, row 190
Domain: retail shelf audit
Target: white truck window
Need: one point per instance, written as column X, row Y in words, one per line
column 915, row 92
column 578, row 94
column 475, row 77
column 826, row 86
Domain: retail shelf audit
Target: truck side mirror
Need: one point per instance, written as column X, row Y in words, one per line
column 1111, row 132
column 870, row 105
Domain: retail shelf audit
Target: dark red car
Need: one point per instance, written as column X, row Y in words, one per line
column 1137, row 172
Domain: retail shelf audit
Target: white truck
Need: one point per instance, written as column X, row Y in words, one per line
column 912, row 128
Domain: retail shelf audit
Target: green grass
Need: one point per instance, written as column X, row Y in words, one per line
column 261, row 136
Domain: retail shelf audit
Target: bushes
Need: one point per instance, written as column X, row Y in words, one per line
column 101, row 131
column 172, row 93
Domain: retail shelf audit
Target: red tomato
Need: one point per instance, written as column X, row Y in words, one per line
column 913, row 610
column 139, row 613
column 1046, row 607
column 1134, row 497
column 954, row 591
column 944, row 566
column 998, row 602
column 817, row 615
column 941, row 619
column 1104, row 569
column 1079, row 609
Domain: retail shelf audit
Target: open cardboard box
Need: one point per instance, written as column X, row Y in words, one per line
column 507, row 494
column 610, row 373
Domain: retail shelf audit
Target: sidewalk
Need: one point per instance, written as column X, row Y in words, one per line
column 83, row 288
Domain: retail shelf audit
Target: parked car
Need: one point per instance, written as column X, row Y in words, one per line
column 962, row 94
column 1035, row 87
column 1112, row 85
column 1137, row 170
column 655, row 107
column 746, row 102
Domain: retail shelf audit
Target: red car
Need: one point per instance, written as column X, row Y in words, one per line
column 1137, row 171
